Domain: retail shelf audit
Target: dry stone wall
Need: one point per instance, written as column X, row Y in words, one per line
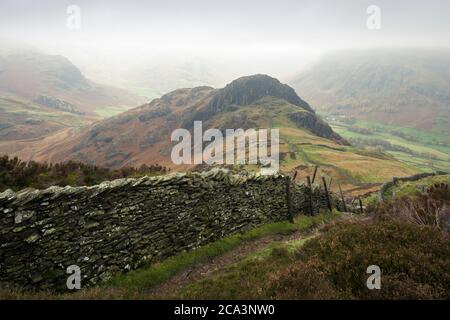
column 314, row 200
column 395, row 180
column 124, row 224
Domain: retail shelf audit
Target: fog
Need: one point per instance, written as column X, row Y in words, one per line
column 219, row 39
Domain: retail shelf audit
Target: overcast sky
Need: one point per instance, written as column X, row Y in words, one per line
column 224, row 29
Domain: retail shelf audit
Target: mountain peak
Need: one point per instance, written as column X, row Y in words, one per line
column 247, row 90
column 255, row 78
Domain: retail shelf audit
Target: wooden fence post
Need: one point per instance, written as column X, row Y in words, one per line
column 342, row 197
column 328, row 195
column 314, row 175
column 311, row 208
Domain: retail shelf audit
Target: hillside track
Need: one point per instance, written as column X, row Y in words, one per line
column 202, row 270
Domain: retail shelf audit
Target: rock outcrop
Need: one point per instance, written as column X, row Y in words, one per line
column 317, row 126
column 247, row 90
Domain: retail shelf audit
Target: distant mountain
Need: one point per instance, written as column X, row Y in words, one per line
column 21, row 119
column 142, row 135
column 35, row 86
column 400, row 87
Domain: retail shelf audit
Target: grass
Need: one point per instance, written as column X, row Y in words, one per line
column 107, row 112
column 11, row 107
column 413, row 188
column 420, row 142
column 26, row 120
column 412, row 255
column 243, row 280
column 290, row 246
column 421, row 163
column 407, row 188
column 437, row 136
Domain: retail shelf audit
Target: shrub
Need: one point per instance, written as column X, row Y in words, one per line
column 432, row 208
column 301, row 281
column 16, row 174
column 440, row 192
column 414, row 262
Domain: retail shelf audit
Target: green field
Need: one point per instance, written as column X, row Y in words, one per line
column 424, row 150
column 111, row 111
column 414, row 188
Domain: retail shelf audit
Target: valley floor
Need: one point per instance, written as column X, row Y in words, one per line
column 425, row 150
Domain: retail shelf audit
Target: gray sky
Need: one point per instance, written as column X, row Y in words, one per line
column 282, row 31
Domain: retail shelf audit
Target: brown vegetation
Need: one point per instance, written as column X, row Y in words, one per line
column 431, row 208
column 413, row 260
column 16, row 174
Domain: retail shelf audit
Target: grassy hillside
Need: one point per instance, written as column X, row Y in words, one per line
column 415, row 188
column 301, row 150
column 54, row 82
column 408, row 88
column 21, row 119
column 142, row 135
column 354, row 168
column 395, row 100
column 41, row 94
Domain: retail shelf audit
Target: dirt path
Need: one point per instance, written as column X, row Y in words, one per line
column 202, row 270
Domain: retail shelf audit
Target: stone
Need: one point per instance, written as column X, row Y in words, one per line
column 49, row 231
column 7, row 195
column 18, row 229
column 21, row 216
column 33, row 238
